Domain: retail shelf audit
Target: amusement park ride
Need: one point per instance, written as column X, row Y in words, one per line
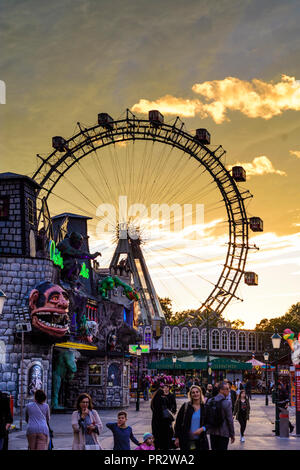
column 109, row 132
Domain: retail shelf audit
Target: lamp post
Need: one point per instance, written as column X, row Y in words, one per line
column 2, row 300
column 174, row 360
column 138, row 353
column 209, row 378
column 276, row 340
column 266, row 359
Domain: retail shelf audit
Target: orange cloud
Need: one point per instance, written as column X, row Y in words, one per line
column 252, row 98
column 295, row 152
column 169, row 105
column 260, row 166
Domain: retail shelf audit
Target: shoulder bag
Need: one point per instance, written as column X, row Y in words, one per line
column 92, row 446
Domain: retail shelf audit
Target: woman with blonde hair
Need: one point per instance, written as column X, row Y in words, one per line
column 86, row 425
column 190, row 432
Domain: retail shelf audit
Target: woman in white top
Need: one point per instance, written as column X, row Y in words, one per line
column 86, row 425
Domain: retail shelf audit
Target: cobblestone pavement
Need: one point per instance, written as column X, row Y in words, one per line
column 258, row 435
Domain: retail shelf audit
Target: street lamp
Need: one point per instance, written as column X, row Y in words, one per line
column 2, row 300
column 174, row 360
column 266, row 359
column 276, row 340
column 209, row 378
column 138, row 353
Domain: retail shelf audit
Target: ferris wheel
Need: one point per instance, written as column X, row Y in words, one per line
column 153, row 160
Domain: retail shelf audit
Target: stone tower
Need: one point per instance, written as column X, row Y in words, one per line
column 18, row 225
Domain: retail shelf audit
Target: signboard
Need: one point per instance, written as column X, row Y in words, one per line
column 297, row 384
column 145, row 348
column 71, row 345
column 292, row 387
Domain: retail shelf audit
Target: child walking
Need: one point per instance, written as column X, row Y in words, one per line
column 147, row 442
column 122, row 433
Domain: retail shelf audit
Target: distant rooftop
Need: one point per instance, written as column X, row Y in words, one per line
column 15, row 176
column 69, row 214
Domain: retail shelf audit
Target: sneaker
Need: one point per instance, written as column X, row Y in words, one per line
column 242, row 439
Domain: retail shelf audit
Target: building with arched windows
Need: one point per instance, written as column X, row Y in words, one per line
column 223, row 342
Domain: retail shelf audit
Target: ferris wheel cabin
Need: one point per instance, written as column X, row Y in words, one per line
column 256, row 224
column 59, row 143
column 203, row 136
column 238, row 173
column 105, row 120
column 251, row 279
column 155, row 117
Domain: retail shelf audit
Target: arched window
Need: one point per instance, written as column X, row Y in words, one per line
column 224, row 340
column 242, row 341
column 195, row 338
column 176, row 338
column 215, row 336
column 167, row 338
column 203, row 339
column 232, row 341
column 148, row 335
column 252, row 342
column 184, row 338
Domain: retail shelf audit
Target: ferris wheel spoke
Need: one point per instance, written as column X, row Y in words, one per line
column 178, row 280
column 181, row 265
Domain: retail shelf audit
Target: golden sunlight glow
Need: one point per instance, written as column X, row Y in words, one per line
column 295, row 152
column 254, row 98
column 260, row 166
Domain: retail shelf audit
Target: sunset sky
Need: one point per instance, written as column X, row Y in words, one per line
column 230, row 66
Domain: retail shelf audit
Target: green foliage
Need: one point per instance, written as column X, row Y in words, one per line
column 290, row 320
column 166, row 305
column 189, row 317
column 237, row 324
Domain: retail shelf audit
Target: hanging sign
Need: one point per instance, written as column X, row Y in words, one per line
column 144, row 347
column 297, row 383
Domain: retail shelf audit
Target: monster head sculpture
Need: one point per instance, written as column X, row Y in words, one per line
column 49, row 307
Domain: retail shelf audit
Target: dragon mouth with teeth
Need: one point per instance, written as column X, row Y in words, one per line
column 51, row 321
column 49, row 308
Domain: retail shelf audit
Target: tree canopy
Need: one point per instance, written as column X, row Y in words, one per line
column 188, row 317
column 291, row 319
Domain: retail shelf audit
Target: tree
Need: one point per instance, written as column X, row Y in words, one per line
column 237, row 324
column 166, row 305
column 187, row 317
column 290, row 320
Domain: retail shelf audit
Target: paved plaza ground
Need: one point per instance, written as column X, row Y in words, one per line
column 259, row 435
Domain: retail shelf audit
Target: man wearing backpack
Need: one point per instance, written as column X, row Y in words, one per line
column 219, row 420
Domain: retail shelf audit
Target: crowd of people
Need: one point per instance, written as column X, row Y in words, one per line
column 205, row 421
